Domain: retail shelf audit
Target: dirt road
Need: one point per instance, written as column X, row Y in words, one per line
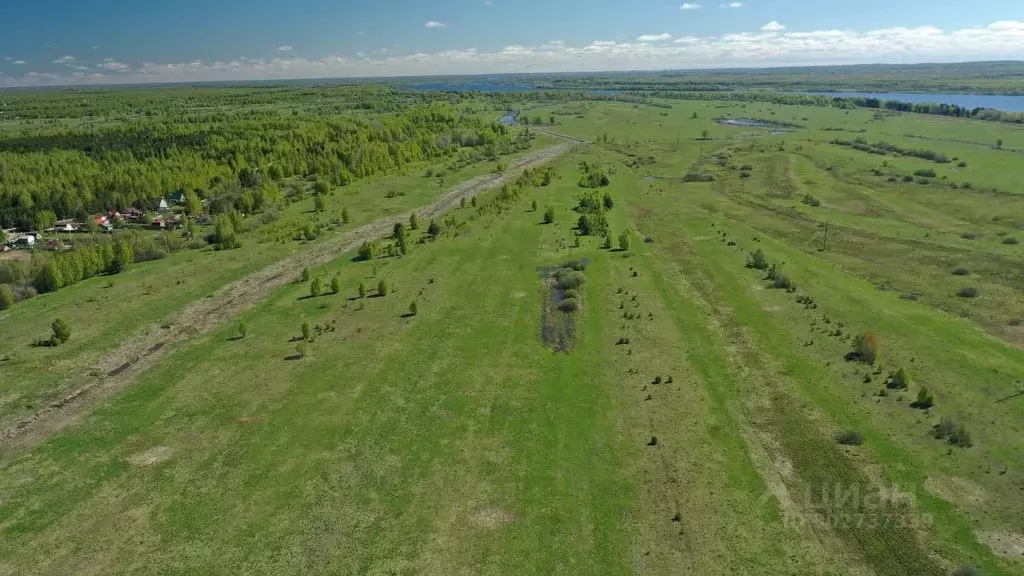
column 141, row 350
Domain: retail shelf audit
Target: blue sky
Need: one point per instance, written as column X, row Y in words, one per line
column 101, row 41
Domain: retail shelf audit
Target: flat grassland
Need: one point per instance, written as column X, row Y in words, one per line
column 692, row 427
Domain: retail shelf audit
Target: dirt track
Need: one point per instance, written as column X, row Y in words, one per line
column 139, row 351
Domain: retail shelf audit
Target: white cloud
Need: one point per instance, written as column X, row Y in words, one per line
column 18, row 62
column 8, row 58
column 999, row 41
column 435, row 24
column 654, row 38
column 285, row 48
column 731, row 5
column 64, row 60
column 773, row 26
column 690, row 6
column 113, row 65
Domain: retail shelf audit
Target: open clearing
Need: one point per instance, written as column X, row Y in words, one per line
column 691, row 427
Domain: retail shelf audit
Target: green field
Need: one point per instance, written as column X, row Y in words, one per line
column 691, row 428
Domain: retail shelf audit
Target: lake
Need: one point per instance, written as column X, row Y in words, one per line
column 1008, row 103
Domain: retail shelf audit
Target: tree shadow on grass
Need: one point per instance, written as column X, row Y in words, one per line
column 408, row 315
column 236, row 338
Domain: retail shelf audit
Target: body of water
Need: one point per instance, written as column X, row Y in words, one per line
column 1008, row 103
column 489, row 86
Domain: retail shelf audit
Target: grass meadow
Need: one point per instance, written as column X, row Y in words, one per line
column 691, row 428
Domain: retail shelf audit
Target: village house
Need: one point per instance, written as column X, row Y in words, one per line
column 163, row 206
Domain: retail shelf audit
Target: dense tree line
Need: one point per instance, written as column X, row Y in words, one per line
column 71, row 170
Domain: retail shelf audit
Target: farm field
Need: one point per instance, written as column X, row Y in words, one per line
column 446, row 412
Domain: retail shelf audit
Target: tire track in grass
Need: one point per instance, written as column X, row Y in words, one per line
column 120, row 368
column 889, row 547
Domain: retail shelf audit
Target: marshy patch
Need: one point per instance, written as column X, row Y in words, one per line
column 561, row 301
column 755, row 123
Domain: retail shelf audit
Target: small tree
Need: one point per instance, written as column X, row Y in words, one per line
column 901, row 379
column 307, row 331
column 608, row 242
column 242, row 330
column 382, row 288
column 414, row 221
column 6, row 297
column 434, row 230
column 624, row 241
column 362, row 290
column 398, row 231
column 301, row 350
column 533, row 206
column 368, row 251
column 344, row 215
column 549, row 215
column 925, row 399
column 315, row 287
column 319, row 203
column 413, row 308
column 305, row 275
column 462, row 202
column 705, row 135
column 868, row 347
column 472, row 202
column 335, row 285
column 757, row 260
column 608, row 201
column 999, row 143
column 49, row 278
column 61, row 331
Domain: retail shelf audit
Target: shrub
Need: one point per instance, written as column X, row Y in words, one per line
column 908, row 178
column 757, row 260
column 962, row 164
column 569, row 279
column 608, row 242
column 924, row 400
column 368, row 251
column 811, row 200
column 304, row 277
column 549, row 215
column 315, row 287
column 961, row 271
column 569, row 305
column 850, row 438
column 782, row 282
column 335, row 285
column 414, row 221
column 434, row 229
column 242, row 330
column 6, row 297
column 1010, row 240
column 608, row 202
column 362, row 290
column 577, row 265
column 744, row 174
column 533, row 206
column 949, row 430
column 413, row 308
column 968, row 292
column 382, row 288
column 967, row 570
column 344, row 215
column 900, row 380
column 624, row 241
column 307, row 331
column 968, row 235
column 570, row 293
column 925, row 173
column 961, row 437
column 867, row 347
column 61, row 331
